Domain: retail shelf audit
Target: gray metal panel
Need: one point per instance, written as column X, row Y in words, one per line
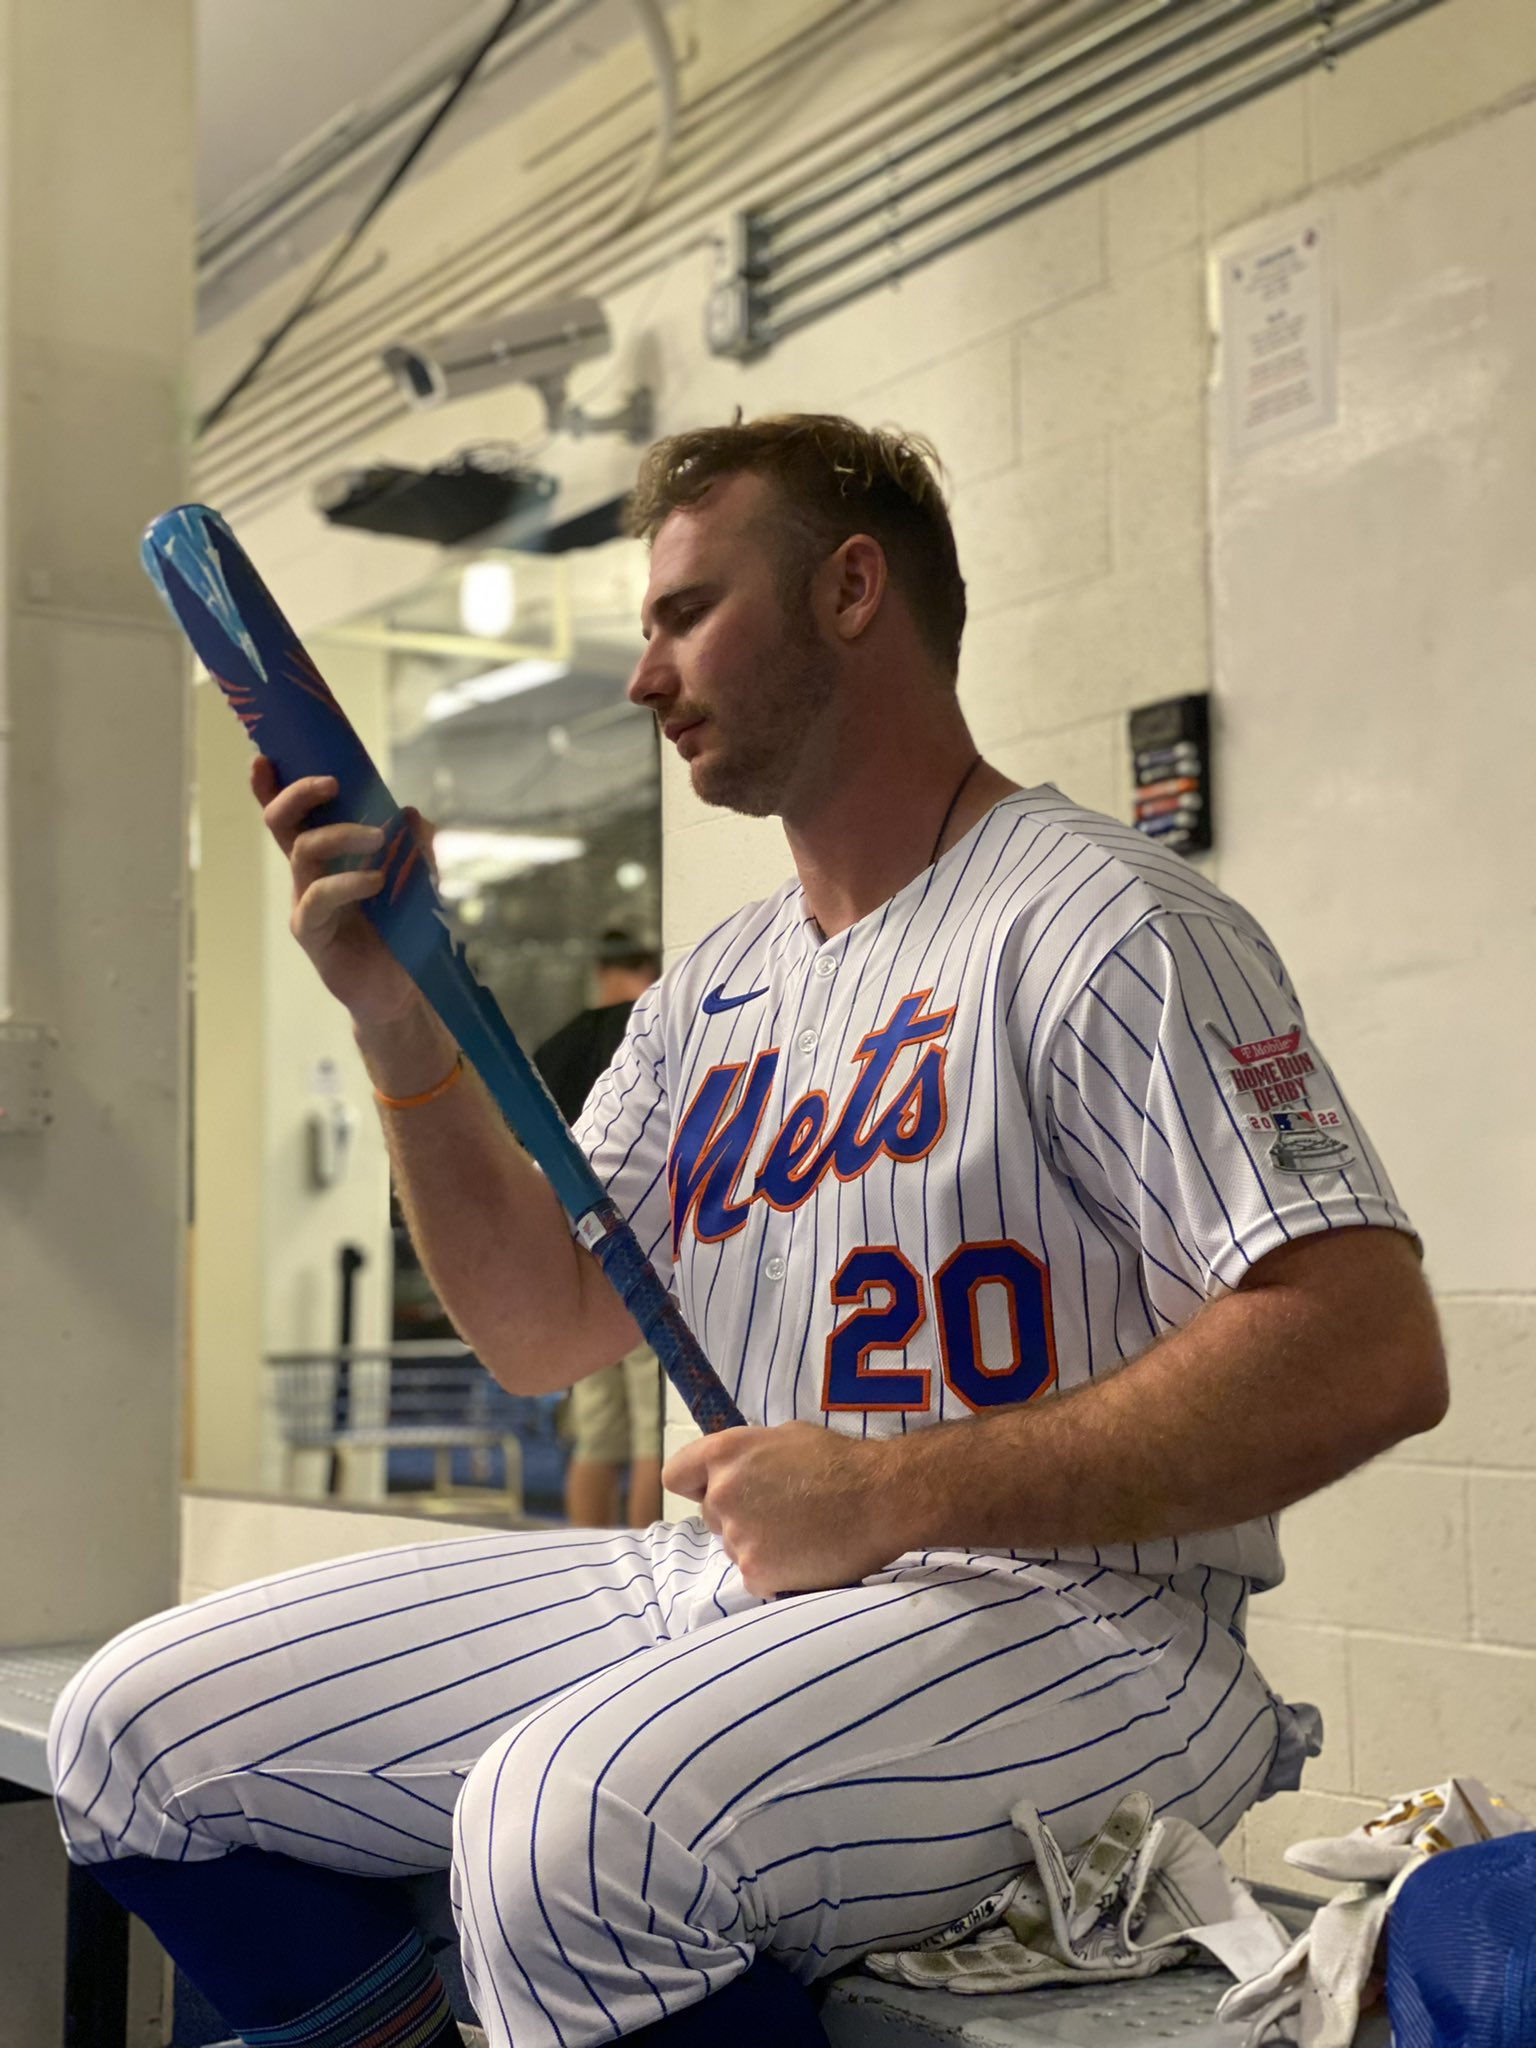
column 30, row 1682
column 1177, row 2006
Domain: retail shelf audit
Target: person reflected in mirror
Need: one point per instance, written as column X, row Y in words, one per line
column 614, row 1417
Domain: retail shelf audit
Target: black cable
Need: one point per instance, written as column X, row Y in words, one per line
column 328, row 270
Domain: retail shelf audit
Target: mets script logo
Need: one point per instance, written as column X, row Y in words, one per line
column 717, row 1132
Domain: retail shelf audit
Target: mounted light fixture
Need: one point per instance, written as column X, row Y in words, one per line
column 471, row 859
column 511, row 680
column 488, row 599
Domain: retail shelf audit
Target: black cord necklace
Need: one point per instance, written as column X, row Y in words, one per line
column 959, row 792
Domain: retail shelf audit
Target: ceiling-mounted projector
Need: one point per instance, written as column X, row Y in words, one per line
column 446, row 505
column 539, row 346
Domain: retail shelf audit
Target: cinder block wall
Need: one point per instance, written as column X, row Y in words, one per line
column 1061, row 367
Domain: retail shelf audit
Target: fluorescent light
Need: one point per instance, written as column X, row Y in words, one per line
column 491, row 687
column 487, row 599
column 471, row 859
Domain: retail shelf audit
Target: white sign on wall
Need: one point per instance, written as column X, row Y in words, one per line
column 1277, row 339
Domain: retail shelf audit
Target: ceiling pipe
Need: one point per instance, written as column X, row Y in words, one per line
column 897, row 239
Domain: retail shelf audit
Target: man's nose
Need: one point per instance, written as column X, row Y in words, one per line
column 653, row 680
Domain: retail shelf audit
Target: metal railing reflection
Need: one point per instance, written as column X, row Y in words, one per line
column 446, row 1429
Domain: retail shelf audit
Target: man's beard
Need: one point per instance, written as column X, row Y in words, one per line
column 785, row 696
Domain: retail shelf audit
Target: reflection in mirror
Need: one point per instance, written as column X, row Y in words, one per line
column 541, row 780
column 539, row 775
column 497, row 694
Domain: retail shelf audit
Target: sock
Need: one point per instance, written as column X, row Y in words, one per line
column 765, row 2007
column 288, row 1951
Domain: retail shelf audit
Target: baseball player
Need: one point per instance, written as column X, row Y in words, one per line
column 994, row 1164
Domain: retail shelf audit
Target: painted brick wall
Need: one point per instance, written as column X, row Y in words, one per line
column 1061, row 367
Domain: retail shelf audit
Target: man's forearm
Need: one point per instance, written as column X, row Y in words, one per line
column 491, row 1234
column 1266, row 1396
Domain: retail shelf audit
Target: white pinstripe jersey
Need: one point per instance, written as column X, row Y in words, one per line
column 992, row 1140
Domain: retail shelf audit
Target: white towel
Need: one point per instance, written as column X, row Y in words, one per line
column 1316, row 1991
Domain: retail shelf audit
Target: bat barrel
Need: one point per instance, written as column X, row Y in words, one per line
column 239, row 634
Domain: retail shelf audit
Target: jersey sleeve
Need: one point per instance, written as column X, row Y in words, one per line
column 1189, row 1103
column 625, row 1130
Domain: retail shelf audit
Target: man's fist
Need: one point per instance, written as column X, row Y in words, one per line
column 326, row 919
column 797, row 1507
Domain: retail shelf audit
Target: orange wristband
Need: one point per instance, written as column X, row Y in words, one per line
column 450, row 1080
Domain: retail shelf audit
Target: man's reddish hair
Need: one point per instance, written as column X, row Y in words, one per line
column 832, row 478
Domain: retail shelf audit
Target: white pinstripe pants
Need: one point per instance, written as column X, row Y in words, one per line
column 640, row 1775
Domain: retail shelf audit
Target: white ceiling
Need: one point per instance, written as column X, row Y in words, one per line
column 276, row 76
column 270, row 73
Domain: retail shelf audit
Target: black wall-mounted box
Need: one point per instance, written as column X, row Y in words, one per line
column 1171, row 763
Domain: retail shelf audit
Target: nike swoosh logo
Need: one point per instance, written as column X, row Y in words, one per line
column 717, row 1000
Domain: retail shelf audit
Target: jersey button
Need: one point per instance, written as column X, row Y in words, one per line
column 807, row 1041
column 774, row 1269
column 825, row 965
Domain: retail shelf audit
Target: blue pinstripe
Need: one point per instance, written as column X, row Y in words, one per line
column 411, row 1607
column 1146, row 1187
column 1060, row 968
column 965, row 1125
column 859, row 1721
column 132, row 1635
column 309, row 1685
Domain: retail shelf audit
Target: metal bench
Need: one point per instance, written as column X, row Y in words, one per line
column 860, row 2013
column 1178, row 2006
column 96, row 1927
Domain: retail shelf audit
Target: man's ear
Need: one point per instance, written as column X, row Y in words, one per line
column 859, row 578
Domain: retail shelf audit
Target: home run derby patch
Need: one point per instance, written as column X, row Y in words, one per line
column 1271, row 1081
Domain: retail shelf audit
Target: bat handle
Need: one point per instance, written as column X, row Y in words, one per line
column 610, row 1239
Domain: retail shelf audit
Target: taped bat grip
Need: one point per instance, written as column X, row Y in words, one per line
column 634, row 1279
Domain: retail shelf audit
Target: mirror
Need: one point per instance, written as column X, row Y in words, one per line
column 497, row 702
column 541, row 778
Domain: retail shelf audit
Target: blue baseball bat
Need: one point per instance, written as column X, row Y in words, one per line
column 261, row 665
